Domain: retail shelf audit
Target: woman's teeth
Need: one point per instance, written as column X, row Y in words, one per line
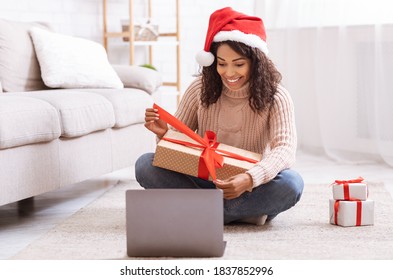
column 233, row 81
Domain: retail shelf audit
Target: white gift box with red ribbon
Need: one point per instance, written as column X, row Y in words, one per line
column 351, row 213
column 350, row 191
column 355, row 189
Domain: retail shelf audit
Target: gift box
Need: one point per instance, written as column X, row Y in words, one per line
column 199, row 156
column 142, row 32
column 351, row 213
column 178, row 152
column 350, row 190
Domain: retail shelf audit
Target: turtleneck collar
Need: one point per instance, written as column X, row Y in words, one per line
column 242, row 92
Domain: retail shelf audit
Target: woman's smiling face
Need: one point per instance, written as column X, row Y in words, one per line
column 233, row 68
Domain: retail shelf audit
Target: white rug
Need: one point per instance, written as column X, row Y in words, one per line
column 303, row 232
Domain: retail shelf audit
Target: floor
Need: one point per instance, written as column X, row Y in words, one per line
column 18, row 229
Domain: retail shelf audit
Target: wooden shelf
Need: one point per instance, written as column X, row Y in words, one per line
column 126, row 34
column 149, row 44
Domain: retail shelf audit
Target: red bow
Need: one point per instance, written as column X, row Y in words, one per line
column 357, row 180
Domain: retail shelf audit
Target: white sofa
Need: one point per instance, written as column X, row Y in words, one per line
column 53, row 137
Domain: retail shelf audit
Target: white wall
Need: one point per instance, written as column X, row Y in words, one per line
column 84, row 19
column 72, row 17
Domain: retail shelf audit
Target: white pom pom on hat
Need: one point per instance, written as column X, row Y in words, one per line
column 229, row 25
column 204, row 58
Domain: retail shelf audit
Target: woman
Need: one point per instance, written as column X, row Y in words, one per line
column 238, row 96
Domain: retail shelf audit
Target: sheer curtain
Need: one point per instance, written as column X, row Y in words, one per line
column 336, row 57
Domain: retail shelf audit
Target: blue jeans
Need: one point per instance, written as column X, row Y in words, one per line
column 272, row 198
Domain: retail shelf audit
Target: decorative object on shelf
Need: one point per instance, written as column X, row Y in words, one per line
column 143, row 32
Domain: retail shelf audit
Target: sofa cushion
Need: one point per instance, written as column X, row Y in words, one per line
column 71, row 62
column 25, row 120
column 80, row 112
column 134, row 76
column 19, row 68
column 129, row 104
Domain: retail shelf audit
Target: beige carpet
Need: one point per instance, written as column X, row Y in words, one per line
column 303, row 232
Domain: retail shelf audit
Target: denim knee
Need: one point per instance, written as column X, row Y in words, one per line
column 294, row 182
column 142, row 167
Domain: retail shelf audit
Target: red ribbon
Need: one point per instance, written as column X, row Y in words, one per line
column 211, row 157
column 346, row 192
column 358, row 212
column 357, row 180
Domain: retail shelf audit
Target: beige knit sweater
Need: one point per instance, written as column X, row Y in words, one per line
column 271, row 134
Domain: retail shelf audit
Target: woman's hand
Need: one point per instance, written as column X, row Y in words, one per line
column 235, row 185
column 154, row 123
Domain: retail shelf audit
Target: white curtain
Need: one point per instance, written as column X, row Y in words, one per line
column 336, row 58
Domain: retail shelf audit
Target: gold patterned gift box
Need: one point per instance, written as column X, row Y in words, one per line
column 186, row 160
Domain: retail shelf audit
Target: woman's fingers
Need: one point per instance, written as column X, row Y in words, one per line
column 153, row 122
column 151, row 115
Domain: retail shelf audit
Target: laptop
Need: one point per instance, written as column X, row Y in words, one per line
column 175, row 223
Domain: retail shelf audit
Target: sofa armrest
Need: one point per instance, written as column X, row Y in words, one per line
column 138, row 77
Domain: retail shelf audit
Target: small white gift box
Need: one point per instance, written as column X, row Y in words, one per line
column 351, row 213
column 350, row 191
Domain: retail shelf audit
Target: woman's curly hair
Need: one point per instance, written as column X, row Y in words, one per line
column 264, row 77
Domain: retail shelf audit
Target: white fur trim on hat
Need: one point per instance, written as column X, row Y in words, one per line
column 204, row 58
column 238, row 36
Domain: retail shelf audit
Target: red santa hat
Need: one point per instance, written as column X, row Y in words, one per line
column 229, row 25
